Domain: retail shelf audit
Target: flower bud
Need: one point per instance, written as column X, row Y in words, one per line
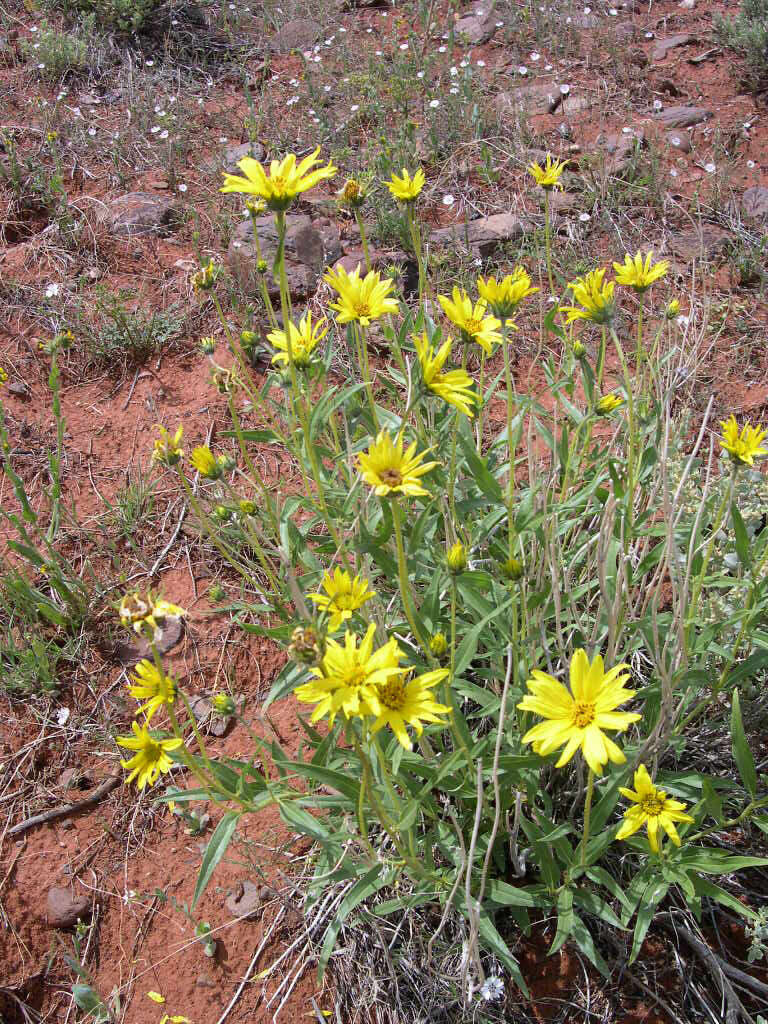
column 261, row 266
column 216, row 592
column 225, row 462
column 248, row 339
column 512, row 569
column 579, row 350
column 222, row 513
column 247, row 508
column 206, row 277
column 456, row 559
column 672, row 312
column 207, row 345
column 306, row 646
column 438, row 645
column 223, row 705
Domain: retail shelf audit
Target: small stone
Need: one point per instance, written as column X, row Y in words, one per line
column 204, row 981
column 17, row 389
column 533, row 98
column 663, row 46
column 245, row 901
column 216, row 725
column 141, row 213
column 682, row 117
column 298, row 34
column 484, row 234
column 130, row 653
column 754, row 203
column 705, row 243
column 65, row 907
column 680, row 141
column 233, row 154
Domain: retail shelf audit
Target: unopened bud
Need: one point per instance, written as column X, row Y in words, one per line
column 223, row 705
column 306, row 646
column 456, row 559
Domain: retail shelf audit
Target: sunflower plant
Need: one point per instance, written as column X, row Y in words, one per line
column 494, row 638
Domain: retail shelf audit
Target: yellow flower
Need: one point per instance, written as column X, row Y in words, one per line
column 651, row 807
column 304, row 340
column 136, row 609
column 595, row 297
column 409, row 702
column 471, row 320
column 167, row 450
column 548, row 176
column 3, row 376
column 455, row 386
column 149, row 761
column 343, row 595
column 284, row 182
column 155, row 687
column 607, row 404
column 505, row 296
column 578, row 718
column 745, row 446
column 456, row 559
column 406, row 188
column 672, row 311
column 361, row 299
column 156, row 997
column 205, row 278
column 390, row 470
column 204, row 462
column 348, row 677
column 638, row 274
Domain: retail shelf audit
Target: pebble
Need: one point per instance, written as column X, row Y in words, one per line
column 66, row 907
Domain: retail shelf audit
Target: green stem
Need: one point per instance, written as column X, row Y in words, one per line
column 548, row 241
column 481, row 404
column 402, row 570
column 364, row 241
column 601, row 359
column 587, row 813
column 416, row 241
column 365, row 369
column 511, row 482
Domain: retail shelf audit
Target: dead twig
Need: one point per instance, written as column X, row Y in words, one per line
column 64, row 810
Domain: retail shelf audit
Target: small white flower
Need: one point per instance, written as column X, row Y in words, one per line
column 182, row 188
column 522, row 70
column 463, row 63
column 649, row 35
column 342, row 29
column 584, row 217
column 612, row 11
column 355, row 107
column 91, row 132
column 200, row 102
column 237, row 244
column 587, row 10
column 326, row 88
column 223, row 140
column 379, row 53
column 369, row 30
column 658, row 105
column 710, row 168
column 403, row 46
column 548, row 67
column 292, row 101
column 481, row 63
column 164, row 134
column 174, row 21
column 434, row 104
column 492, row 989
column 565, row 89
column 626, row 130
column 569, row 21
column 33, row 29
column 317, row 59
column 448, row 200
column 419, row 74
column 750, row 164
column 294, row 82
column 673, row 173
column 149, row 63
column 533, row 57
column 154, row 129
column 453, row 91
column 499, row 24
column 442, row 49
column 453, row 72
column 41, row 66
column 52, row 291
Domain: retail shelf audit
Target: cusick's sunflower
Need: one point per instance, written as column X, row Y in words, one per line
column 205, row 462
column 407, row 188
column 389, row 470
column 361, row 299
column 651, row 807
column 136, row 609
column 595, row 297
column 638, row 273
column 548, row 176
column 151, row 757
column 455, row 386
column 608, row 403
column 409, row 702
column 167, row 448
column 304, row 340
column 505, row 296
column 348, row 677
column 745, row 445
column 471, row 319
column 343, row 595
column 578, row 717
column 155, row 688
column 283, row 183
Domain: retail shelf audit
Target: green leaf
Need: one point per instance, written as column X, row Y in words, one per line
column 704, row 887
column 215, row 850
column 468, row 646
column 497, row 945
column 583, row 939
column 362, row 888
column 565, row 919
column 652, row 897
column 742, row 755
column 505, row 895
column 712, row 861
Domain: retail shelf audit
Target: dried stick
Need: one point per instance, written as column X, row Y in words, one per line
column 64, row 810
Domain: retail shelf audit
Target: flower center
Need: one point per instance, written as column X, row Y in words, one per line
column 392, row 694
column 356, row 677
column 583, row 715
column 152, row 751
column 473, row 326
column 652, row 805
column 391, row 477
column 344, row 602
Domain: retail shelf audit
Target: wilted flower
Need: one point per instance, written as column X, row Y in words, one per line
column 307, row 646
column 352, row 194
column 207, row 345
column 167, row 450
column 205, row 278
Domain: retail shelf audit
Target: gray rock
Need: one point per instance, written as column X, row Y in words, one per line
column 533, row 99
column 705, row 243
column 682, row 117
column 141, row 213
column 584, row 21
column 233, row 154
column 296, row 35
column 65, row 907
column 216, row 725
column 626, row 31
column 477, row 28
column 618, row 150
column 754, row 203
column 245, row 901
column 482, row 235
column 309, row 248
column 679, row 140
column 205, row 981
column 663, row 46
column 171, row 631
